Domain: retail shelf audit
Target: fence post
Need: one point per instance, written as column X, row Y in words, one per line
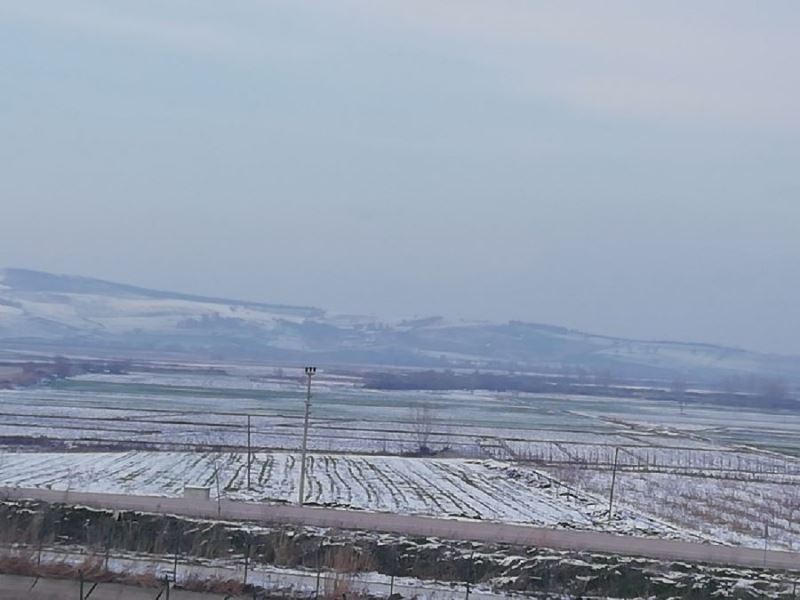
column 319, row 569
column 247, row 558
column 80, row 579
column 249, row 454
column 470, row 573
column 391, row 586
column 177, row 551
column 613, row 482
column 108, row 546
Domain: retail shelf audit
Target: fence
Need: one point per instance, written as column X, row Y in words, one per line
column 745, row 465
column 237, row 575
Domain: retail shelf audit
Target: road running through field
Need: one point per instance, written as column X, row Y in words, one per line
column 453, row 529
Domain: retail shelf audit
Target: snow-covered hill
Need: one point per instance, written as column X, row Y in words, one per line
column 59, row 311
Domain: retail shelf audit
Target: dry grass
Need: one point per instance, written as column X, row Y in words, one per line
column 347, row 559
column 216, row 585
column 25, row 562
column 339, row 588
column 730, row 509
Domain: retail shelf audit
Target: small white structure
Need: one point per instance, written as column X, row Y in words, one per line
column 191, row 492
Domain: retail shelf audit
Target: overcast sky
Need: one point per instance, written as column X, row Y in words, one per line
column 630, row 168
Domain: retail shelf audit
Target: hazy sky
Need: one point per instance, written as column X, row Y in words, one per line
column 630, row 168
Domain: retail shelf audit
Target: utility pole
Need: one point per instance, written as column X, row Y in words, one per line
column 249, row 454
column 613, row 483
column 310, row 371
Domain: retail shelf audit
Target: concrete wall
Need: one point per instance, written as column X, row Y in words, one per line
column 481, row 531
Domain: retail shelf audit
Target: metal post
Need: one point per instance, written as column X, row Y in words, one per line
column 301, row 493
column 766, row 541
column 249, row 454
column 80, row 577
column 177, row 552
column 108, row 547
column 613, row 483
column 319, row 569
column 219, row 493
column 247, row 559
column 470, row 574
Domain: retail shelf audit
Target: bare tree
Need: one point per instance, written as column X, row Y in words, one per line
column 678, row 389
column 422, row 426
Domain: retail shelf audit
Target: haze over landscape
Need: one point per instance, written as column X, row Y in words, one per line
column 399, row 300
column 68, row 314
column 618, row 168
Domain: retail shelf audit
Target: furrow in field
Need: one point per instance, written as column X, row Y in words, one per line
column 423, row 490
column 467, row 487
column 341, row 485
column 267, row 466
column 357, row 476
column 444, row 489
column 21, row 469
column 398, row 499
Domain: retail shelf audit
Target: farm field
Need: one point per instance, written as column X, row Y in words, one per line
column 698, row 472
column 650, row 504
column 474, row 489
column 747, row 513
column 192, row 408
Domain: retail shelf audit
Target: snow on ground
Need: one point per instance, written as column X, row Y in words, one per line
column 737, row 512
column 175, row 410
column 479, row 489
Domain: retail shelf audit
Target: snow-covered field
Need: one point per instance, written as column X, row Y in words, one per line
column 683, row 471
column 729, row 510
column 163, row 409
column 478, row 489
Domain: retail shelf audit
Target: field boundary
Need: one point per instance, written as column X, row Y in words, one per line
column 454, row 529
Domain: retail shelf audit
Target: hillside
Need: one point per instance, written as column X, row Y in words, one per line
column 57, row 311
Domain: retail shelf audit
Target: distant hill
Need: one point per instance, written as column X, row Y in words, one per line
column 56, row 312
